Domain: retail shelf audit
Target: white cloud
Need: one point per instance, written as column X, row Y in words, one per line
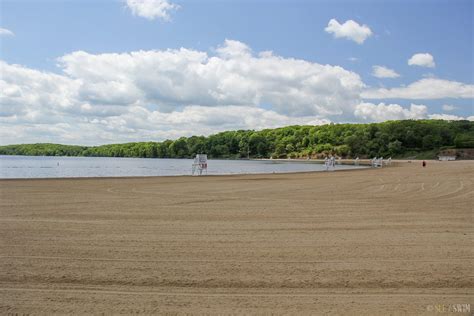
column 140, row 124
column 350, row 30
column 234, row 76
column 448, row 107
column 235, row 49
column 153, row 95
column 193, row 118
column 152, row 9
column 384, row 72
column 383, row 112
column 427, row 88
column 422, row 60
column 448, row 117
column 31, row 92
column 159, row 94
column 6, row 32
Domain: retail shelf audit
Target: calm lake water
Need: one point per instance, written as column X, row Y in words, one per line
column 65, row 167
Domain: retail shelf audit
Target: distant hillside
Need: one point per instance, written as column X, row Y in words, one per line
column 408, row 138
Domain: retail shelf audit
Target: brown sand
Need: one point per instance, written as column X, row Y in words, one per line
column 392, row 241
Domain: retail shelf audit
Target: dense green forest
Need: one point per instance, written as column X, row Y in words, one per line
column 392, row 138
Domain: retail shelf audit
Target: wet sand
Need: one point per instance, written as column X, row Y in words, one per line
column 391, row 241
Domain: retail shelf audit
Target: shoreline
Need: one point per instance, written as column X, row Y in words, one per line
column 190, row 176
column 360, row 167
column 236, row 159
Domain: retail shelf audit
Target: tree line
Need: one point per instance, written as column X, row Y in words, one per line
column 391, row 138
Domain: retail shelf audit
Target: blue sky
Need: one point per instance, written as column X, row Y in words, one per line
column 42, row 40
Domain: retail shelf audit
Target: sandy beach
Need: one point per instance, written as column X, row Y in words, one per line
column 391, row 241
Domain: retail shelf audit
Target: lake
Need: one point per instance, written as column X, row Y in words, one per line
column 66, row 167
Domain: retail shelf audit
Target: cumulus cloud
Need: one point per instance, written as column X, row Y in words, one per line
column 153, row 95
column 422, row 60
column 152, row 9
column 384, row 72
column 233, row 76
column 383, row 112
column 194, row 118
column 350, row 30
column 427, row 88
column 371, row 112
column 235, row 49
column 28, row 91
column 448, row 107
column 449, row 117
column 6, row 32
column 141, row 124
column 159, row 94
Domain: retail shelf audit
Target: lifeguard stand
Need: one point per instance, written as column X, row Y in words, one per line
column 200, row 164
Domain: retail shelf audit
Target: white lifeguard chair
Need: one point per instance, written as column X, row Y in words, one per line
column 330, row 163
column 200, row 164
column 377, row 162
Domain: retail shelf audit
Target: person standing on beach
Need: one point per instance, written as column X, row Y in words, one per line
column 424, row 163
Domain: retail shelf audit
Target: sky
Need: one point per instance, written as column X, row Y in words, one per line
column 108, row 71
